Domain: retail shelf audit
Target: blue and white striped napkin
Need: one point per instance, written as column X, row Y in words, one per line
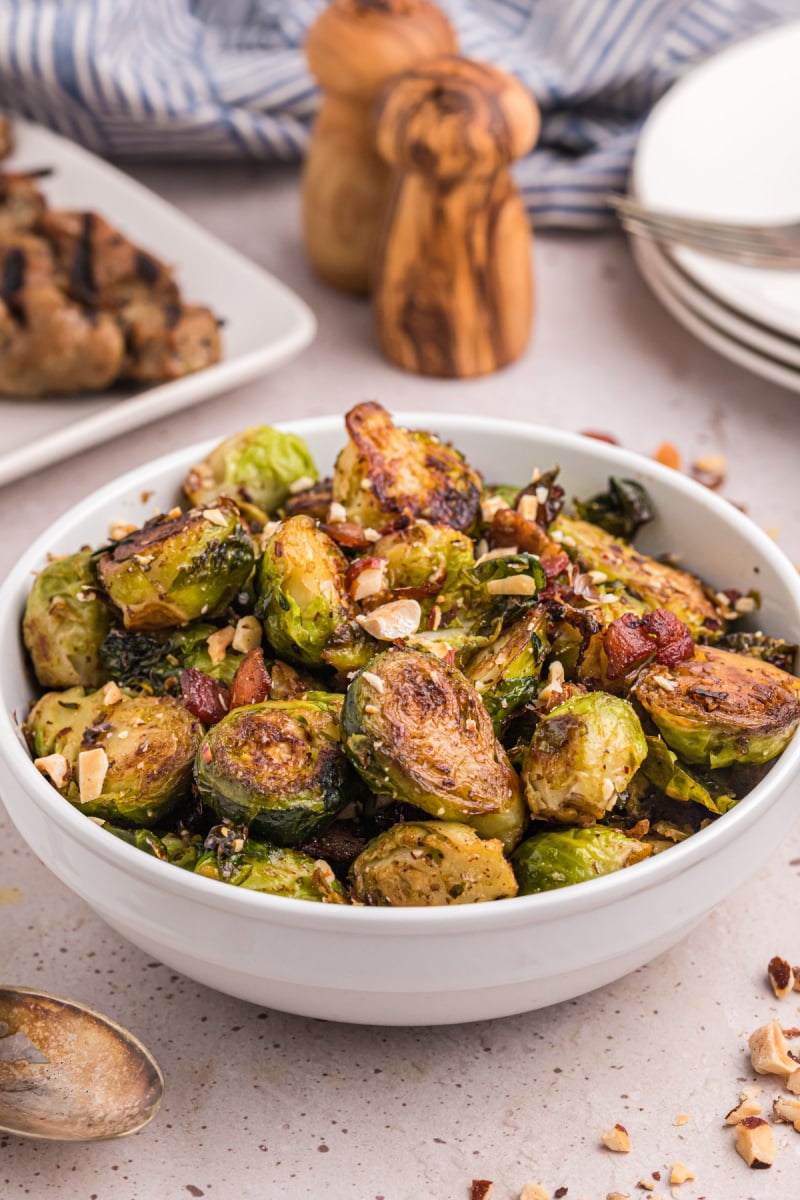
column 223, row 79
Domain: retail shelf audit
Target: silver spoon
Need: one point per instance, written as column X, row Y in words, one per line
column 68, row 1073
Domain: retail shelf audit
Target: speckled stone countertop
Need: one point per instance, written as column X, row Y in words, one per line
column 261, row 1105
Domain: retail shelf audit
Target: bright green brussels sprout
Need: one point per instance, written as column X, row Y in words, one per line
column 430, row 559
column 557, row 858
column 277, row 767
column 506, row 672
column 303, row 594
column 720, row 708
column 177, row 569
column 384, row 471
column 152, row 662
column 582, row 755
column 181, row 851
column 663, row 770
column 65, row 622
column 234, row 858
column 658, row 584
column 256, row 468
column 148, row 742
column 416, row 730
column 431, row 863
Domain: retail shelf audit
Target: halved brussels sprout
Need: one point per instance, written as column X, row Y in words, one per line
column 349, row 648
column 430, row 559
column 557, row 858
column 181, row 851
column 259, row 867
column 658, row 584
column 583, row 754
column 149, row 743
column 303, row 590
column 256, row 468
column 176, row 569
column 147, row 662
column 662, row 769
column 277, row 767
column 720, row 708
column 416, row 730
column 65, row 622
column 506, row 673
column 431, row 863
column 384, row 471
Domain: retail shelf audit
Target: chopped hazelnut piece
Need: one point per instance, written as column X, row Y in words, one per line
column 681, row 1173
column 397, row 619
column 711, row 464
column 301, row 484
column 749, row 1107
column 374, row 680
column 498, row 552
column 781, row 976
column 337, row 513
column 215, row 516
column 793, row 1082
column 218, row 643
column 55, row 767
column 768, row 1051
column 481, row 1189
column 512, row 585
column 528, row 507
column 534, row 1191
column 646, row 1185
column 247, row 635
column 787, row 1109
column 367, row 577
column 681, row 1119
column 111, row 693
column 120, row 529
column 755, row 1142
column 92, row 768
column 668, row 455
column 492, row 505
column 617, row 1196
column 617, row 1139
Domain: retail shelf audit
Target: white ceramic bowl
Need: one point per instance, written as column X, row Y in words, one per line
column 414, row 966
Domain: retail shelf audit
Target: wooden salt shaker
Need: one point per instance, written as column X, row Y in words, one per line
column 353, row 48
column 453, row 290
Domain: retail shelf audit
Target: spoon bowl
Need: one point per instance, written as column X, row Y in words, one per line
column 69, row 1074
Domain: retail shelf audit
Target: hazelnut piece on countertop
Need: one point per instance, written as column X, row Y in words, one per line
column 781, row 976
column 617, row 1139
column 755, row 1142
column 769, row 1051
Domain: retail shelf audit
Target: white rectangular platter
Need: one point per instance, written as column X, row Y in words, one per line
column 265, row 322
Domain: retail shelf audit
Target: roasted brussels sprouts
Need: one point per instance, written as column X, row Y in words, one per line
column 66, row 619
column 234, row 858
column 128, row 757
column 384, row 471
column 658, row 584
column 506, row 673
column 256, row 468
column 662, row 769
column 582, row 755
column 416, row 730
column 277, row 767
column 153, row 662
column 182, row 851
column 720, row 708
column 621, row 511
column 759, row 645
column 427, row 559
column 431, row 863
column 557, row 858
column 304, row 598
column 177, row 569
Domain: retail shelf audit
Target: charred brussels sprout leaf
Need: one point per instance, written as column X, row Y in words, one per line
column 303, row 594
column 384, row 471
column 259, row 867
column 658, row 584
column 431, row 863
column 149, row 743
column 758, row 645
column 256, row 468
column 427, row 559
column 145, row 661
column 416, row 730
column 720, row 708
column 181, row 851
column 583, row 754
column 506, row 672
column 662, row 769
column 277, row 767
column 65, row 622
column 177, row 569
column 560, row 857
column 621, row 511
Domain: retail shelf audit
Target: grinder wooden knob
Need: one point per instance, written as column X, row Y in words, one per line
column 453, row 288
column 352, row 49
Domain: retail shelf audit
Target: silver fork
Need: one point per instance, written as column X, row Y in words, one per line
column 774, row 246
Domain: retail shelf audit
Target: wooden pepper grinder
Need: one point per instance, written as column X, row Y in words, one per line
column 353, row 48
column 453, row 289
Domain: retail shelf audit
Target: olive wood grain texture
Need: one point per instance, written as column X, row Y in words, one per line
column 352, row 49
column 453, row 291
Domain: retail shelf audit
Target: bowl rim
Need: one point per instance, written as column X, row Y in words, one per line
column 458, row 919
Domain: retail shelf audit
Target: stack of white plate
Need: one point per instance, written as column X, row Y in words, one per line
column 724, row 143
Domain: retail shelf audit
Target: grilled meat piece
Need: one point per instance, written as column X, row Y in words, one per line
column 167, row 341
column 25, row 260
column 22, row 205
column 48, row 345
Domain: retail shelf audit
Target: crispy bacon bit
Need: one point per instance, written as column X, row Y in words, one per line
column 251, row 683
column 600, row 437
column 204, row 697
column 556, row 565
column 630, row 639
column 509, row 528
column 347, row 534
